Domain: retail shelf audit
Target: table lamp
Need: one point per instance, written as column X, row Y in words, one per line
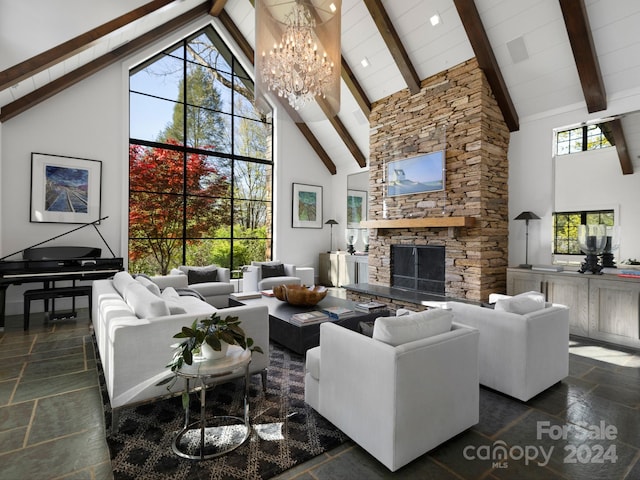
column 331, row 222
column 526, row 216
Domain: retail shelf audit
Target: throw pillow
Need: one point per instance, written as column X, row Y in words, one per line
column 144, row 303
column 408, row 328
column 172, row 298
column 521, row 304
column 202, row 275
column 269, row 271
column 148, row 284
column 121, row 280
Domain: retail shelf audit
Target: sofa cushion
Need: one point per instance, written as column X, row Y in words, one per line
column 269, row 271
column 148, row 284
column 522, row 303
column 202, row 275
column 408, row 328
column 144, row 303
column 121, row 280
column 172, row 298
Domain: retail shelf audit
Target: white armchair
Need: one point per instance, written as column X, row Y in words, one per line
column 520, row 354
column 265, row 275
column 212, row 282
column 396, row 402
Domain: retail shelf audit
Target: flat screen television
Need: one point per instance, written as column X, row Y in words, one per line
column 423, row 173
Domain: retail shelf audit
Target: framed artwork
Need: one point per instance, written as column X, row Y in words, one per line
column 356, row 208
column 307, row 206
column 65, row 189
column 424, row 173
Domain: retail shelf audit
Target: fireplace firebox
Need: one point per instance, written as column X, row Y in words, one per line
column 420, row 268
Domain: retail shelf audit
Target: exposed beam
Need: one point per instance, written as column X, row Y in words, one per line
column 246, row 48
column 61, row 52
column 392, row 40
column 584, row 53
column 216, row 7
column 355, row 88
column 621, row 146
column 39, row 95
column 487, row 61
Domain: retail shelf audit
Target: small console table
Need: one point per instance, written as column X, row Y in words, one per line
column 204, row 439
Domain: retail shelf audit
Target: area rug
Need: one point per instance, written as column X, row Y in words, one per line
column 285, row 433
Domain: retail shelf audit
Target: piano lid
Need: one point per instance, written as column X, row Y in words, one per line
column 60, row 253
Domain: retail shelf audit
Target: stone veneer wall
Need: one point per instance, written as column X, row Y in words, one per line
column 477, row 139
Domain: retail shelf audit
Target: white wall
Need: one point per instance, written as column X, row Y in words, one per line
column 90, row 120
column 531, row 183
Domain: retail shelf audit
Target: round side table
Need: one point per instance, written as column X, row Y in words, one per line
column 202, row 440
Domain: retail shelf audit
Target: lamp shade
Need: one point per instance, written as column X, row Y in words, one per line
column 527, row 216
column 331, row 221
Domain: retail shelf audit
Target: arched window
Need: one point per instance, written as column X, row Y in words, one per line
column 200, row 160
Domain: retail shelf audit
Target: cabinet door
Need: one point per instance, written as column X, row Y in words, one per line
column 574, row 293
column 614, row 314
column 524, row 281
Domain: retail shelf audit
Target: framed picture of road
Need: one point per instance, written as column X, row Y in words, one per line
column 307, row 206
column 65, row 189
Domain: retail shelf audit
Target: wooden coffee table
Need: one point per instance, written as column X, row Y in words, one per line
column 300, row 338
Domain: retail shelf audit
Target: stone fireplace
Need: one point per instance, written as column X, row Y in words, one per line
column 469, row 220
column 419, row 268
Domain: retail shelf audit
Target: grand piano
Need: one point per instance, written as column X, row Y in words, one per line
column 55, row 263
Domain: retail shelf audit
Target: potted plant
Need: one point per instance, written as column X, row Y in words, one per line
column 215, row 333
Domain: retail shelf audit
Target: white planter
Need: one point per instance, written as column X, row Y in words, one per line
column 212, row 354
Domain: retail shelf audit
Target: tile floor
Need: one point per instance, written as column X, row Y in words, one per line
column 51, row 424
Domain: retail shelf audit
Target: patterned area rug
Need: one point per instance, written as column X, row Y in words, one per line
column 285, row 433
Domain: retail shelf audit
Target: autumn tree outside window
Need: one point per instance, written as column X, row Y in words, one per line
column 200, row 161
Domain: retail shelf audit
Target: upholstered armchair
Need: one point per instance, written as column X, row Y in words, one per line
column 265, row 275
column 211, row 282
column 524, row 343
column 401, row 393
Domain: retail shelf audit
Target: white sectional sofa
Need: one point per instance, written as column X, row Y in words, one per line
column 134, row 324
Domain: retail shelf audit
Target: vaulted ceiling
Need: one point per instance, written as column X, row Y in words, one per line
column 540, row 56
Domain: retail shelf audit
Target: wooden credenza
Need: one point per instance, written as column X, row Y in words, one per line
column 341, row 268
column 604, row 307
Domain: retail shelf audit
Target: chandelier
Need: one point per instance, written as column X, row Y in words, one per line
column 298, row 51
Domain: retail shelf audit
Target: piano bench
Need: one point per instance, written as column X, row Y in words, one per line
column 47, row 294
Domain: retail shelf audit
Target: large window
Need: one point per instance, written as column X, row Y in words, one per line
column 565, row 228
column 200, row 161
column 581, row 139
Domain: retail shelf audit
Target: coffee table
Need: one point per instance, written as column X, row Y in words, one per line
column 300, row 338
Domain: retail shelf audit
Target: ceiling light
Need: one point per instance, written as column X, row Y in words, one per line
column 364, row 62
column 435, row 20
column 298, row 51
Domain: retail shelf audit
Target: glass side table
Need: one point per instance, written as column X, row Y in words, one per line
column 204, row 439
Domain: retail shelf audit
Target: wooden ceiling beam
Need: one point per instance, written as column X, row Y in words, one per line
column 355, row 88
column 39, row 95
column 247, row 50
column 216, row 7
column 57, row 54
column 395, row 46
column 620, row 143
column 584, row 53
column 487, row 61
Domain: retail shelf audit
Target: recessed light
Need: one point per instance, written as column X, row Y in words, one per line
column 364, row 62
column 435, row 20
column 332, row 7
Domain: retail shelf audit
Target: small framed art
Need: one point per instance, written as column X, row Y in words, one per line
column 307, row 206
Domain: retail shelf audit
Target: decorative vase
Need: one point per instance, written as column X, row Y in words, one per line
column 211, row 354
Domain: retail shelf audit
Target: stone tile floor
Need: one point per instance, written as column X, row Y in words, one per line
column 51, row 423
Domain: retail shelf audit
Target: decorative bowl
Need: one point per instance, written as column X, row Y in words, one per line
column 300, row 295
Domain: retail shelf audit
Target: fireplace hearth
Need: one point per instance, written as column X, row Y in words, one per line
column 419, row 268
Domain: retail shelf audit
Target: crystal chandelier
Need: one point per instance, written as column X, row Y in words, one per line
column 298, row 51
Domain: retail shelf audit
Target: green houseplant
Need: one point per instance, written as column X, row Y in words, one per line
column 214, row 331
